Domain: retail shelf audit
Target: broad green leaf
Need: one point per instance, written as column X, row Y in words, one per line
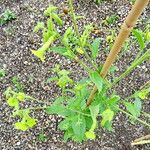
column 41, row 51
column 58, row 100
column 62, row 51
column 94, row 110
column 95, row 47
column 139, row 36
column 58, row 109
column 21, row 96
column 90, row 135
column 132, row 109
column 21, row 126
column 138, row 104
column 97, row 79
column 68, row 134
column 30, row 122
column 40, row 25
column 52, row 79
column 64, row 80
column 13, row 102
column 107, row 116
column 79, row 127
column 113, row 100
column 64, row 125
column 57, row 19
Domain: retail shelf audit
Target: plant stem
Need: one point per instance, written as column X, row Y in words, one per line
column 136, row 62
column 73, row 16
column 34, row 99
column 83, row 64
column 141, row 121
column 124, row 33
column 140, row 142
column 34, row 108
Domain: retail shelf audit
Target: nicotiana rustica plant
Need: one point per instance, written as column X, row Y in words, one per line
column 81, row 111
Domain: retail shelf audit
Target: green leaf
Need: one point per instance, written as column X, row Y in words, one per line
column 90, row 135
column 21, row 126
column 94, row 110
column 63, row 72
column 62, row 51
column 79, row 127
column 132, row 109
column 139, row 36
column 107, row 116
column 21, row 96
column 95, row 47
column 49, row 10
column 30, row 122
column 112, row 102
column 40, row 25
column 113, row 69
column 68, row 134
column 2, row 73
column 50, row 25
column 64, row 80
column 147, row 35
column 13, row 102
column 97, row 79
column 64, row 125
column 52, row 79
column 143, row 93
column 138, row 104
column 86, row 34
column 57, row 19
column 41, row 51
column 58, row 109
column 58, row 101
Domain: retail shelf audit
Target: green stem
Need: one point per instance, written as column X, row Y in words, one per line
column 94, row 62
column 34, row 108
column 73, row 16
column 83, row 65
column 141, row 121
column 136, row 62
column 34, row 99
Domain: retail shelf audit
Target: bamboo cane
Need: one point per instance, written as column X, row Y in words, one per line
column 124, row 33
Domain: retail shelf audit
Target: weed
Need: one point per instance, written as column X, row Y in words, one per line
column 2, row 73
column 7, row 16
column 17, row 84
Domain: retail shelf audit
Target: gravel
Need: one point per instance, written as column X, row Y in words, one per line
column 16, row 40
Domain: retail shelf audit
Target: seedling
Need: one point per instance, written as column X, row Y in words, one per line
column 7, row 16
column 80, row 117
column 2, row 73
column 17, row 84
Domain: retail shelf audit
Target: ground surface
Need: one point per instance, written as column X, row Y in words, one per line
column 16, row 40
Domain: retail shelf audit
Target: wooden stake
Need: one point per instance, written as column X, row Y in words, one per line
column 126, row 28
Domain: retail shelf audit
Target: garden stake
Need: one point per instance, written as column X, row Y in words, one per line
column 126, row 28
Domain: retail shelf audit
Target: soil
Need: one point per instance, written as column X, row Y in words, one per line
column 16, row 40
